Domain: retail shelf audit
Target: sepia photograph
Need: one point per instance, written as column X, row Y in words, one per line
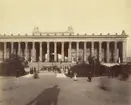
column 65, row 52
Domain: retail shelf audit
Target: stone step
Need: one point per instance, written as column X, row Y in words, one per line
column 41, row 64
column 61, row 75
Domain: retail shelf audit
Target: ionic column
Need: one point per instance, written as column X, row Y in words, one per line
column 77, row 50
column 55, row 51
column 62, row 51
column 12, row 47
column 69, row 54
column 40, row 57
column 33, row 52
column 26, row 50
column 124, row 50
column 100, row 51
column 48, row 52
column 92, row 49
column 107, row 52
column 19, row 49
column 85, row 56
column 5, row 46
column 115, row 52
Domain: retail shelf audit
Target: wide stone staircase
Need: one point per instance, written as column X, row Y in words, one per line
column 39, row 65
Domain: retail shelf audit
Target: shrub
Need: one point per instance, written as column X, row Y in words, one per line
column 10, row 66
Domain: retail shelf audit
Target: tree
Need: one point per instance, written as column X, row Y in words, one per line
column 94, row 65
column 12, row 64
column 91, row 60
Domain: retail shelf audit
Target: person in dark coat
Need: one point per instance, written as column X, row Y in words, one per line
column 17, row 73
column 34, row 69
column 89, row 76
column 109, row 72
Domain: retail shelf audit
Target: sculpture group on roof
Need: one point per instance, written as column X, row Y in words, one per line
column 36, row 29
column 70, row 29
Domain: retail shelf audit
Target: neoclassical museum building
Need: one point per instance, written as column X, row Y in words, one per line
column 64, row 46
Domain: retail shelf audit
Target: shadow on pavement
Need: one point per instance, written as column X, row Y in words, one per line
column 48, row 97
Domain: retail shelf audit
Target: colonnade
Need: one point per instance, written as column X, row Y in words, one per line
column 116, row 55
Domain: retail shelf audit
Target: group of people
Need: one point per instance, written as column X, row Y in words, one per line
column 33, row 70
column 74, row 75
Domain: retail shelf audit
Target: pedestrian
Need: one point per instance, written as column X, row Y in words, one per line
column 109, row 72
column 34, row 70
column 66, row 71
column 30, row 70
column 70, row 74
column 17, row 76
column 75, row 76
column 17, row 73
column 89, row 76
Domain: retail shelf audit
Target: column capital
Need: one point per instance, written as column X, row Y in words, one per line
column 92, row 42
column 108, row 41
column 116, row 41
column 33, row 45
column 47, row 42
column 100, row 41
column 40, row 43
column 124, row 41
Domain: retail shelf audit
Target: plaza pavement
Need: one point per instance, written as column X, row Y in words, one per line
column 49, row 90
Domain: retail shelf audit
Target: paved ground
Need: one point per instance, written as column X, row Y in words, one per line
column 49, row 90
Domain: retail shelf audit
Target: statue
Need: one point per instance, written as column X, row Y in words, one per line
column 123, row 32
column 36, row 30
column 70, row 29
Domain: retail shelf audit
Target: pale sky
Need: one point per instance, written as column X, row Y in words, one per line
column 85, row 16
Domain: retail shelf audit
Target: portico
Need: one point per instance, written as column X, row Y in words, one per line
column 64, row 47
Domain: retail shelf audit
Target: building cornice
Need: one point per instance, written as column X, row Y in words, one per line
column 63, row 36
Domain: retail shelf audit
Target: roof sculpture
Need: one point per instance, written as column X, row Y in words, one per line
column 36, row 31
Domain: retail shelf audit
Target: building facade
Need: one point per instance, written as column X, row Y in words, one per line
column 64, row 46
